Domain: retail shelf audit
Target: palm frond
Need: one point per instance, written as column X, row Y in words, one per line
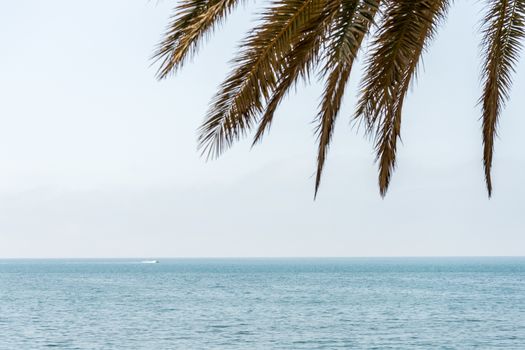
column 503, row 35
column 349, row 29
column 192, row 21
column 242, row 95
column 302, row 59
column 406, row 29
column 295, row 38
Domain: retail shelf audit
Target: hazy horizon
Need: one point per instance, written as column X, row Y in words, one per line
column 275, row 258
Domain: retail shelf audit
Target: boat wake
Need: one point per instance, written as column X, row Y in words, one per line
column 150, row 261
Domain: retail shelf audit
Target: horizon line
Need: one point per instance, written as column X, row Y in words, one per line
column 263, row 257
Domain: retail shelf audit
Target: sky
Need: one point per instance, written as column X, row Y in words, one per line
column 99, row 159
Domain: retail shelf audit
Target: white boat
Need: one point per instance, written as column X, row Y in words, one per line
column 150, row 261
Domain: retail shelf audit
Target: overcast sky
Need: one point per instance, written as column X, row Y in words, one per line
column 98, row 159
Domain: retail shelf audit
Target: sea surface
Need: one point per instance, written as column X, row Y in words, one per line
column 356, row 303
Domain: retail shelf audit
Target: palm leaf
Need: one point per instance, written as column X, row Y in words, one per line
column 302, row 59
column 503, row 33
column 295, row 37
column 406, row 29
column 242, row 95
column 191, row 22
column 349, row 29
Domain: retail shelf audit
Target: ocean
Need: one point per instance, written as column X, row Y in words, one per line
column 354, row 303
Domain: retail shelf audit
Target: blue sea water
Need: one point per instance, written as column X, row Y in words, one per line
column 382, row 303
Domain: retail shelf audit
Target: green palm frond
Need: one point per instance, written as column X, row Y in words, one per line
column 405, row 31
column 349, row 30
column 503, row 33
column 192, row 21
